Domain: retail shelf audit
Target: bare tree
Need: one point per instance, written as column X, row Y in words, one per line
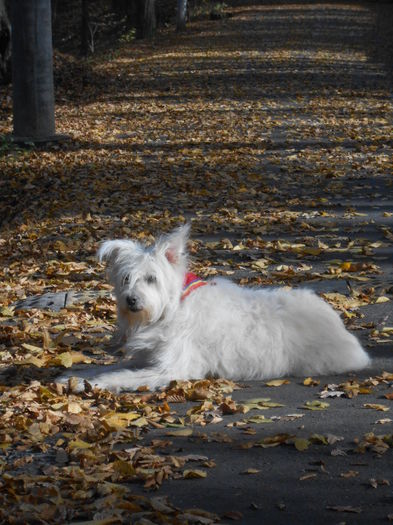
column 181, row 15
column 5, row 44
column 139, row 18
column 149, row 25
column 85, row 28
column 32, row 71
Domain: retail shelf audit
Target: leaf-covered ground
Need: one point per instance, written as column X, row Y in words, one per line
column 271, row 132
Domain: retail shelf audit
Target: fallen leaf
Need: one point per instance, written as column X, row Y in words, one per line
column 258, row 419
column 301, row 444
column 79, row 444
column 194, row 474
column 64, row 359
column 309, row 381
column 32, row 348
column 308, row 476
column 382, row 299
column 339, row 508
column 277, row 382
column 233, row 515
column 184, row 432
column 74, row 408
column 39, row 362
column 349, row 474
column 119, row 420
column 376, row 406
column 316, row 405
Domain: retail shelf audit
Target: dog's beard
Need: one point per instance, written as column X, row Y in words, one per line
column 135, row 319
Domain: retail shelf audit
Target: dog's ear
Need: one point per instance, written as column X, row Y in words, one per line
column 174, row 245
column 109, row 250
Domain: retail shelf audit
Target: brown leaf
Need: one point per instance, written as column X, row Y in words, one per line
column 339, row 508
column 376, row 406
column 233, row 515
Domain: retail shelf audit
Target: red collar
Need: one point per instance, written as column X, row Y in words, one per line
column 191, row 283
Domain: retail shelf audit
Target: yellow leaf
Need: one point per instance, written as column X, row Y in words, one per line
column 36, row 361
column 125, row 468
column 316, row 405
column 260, row 264
column 32, row 348
column 382, row 299
column 301, row 444
column 74, row 408
column 183, row 432
column 46, row 340
column 309, row 381
column 119, row 420
column 277, row 382
column 194, row 474
column 78, row 357
column 64, row 359
column 319, row 439
column 346, row 266
column 78, row 443
column 6, row 311
column 141, row 422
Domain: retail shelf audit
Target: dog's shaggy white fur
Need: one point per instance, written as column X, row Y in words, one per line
column 220, row 329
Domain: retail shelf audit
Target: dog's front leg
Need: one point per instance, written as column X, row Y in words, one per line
column 123, row 379
column 129, row 380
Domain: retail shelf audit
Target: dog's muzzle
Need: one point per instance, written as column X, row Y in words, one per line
column 133, row 303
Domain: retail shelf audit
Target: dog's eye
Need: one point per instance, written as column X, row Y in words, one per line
column 150, row 279
column 126, row 280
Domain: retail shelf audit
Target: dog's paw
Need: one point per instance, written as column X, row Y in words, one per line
column 74, row 383
column 105, row 382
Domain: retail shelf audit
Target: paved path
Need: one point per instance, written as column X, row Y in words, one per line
column 324, row 52
column 328, row 52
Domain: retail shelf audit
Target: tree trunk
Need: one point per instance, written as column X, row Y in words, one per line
column 32, row 71
column 5, row 45
column 149, row 25
column 140, row 17
column 85, row 28
column 181, row 15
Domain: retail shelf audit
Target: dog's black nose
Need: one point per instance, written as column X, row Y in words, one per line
column 132, row 303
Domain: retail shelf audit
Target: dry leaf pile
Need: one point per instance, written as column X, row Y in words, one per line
column 67, row 457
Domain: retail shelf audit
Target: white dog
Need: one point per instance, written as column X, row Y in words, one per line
column 175, row 326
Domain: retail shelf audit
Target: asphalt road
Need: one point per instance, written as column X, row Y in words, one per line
column 335, row 479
